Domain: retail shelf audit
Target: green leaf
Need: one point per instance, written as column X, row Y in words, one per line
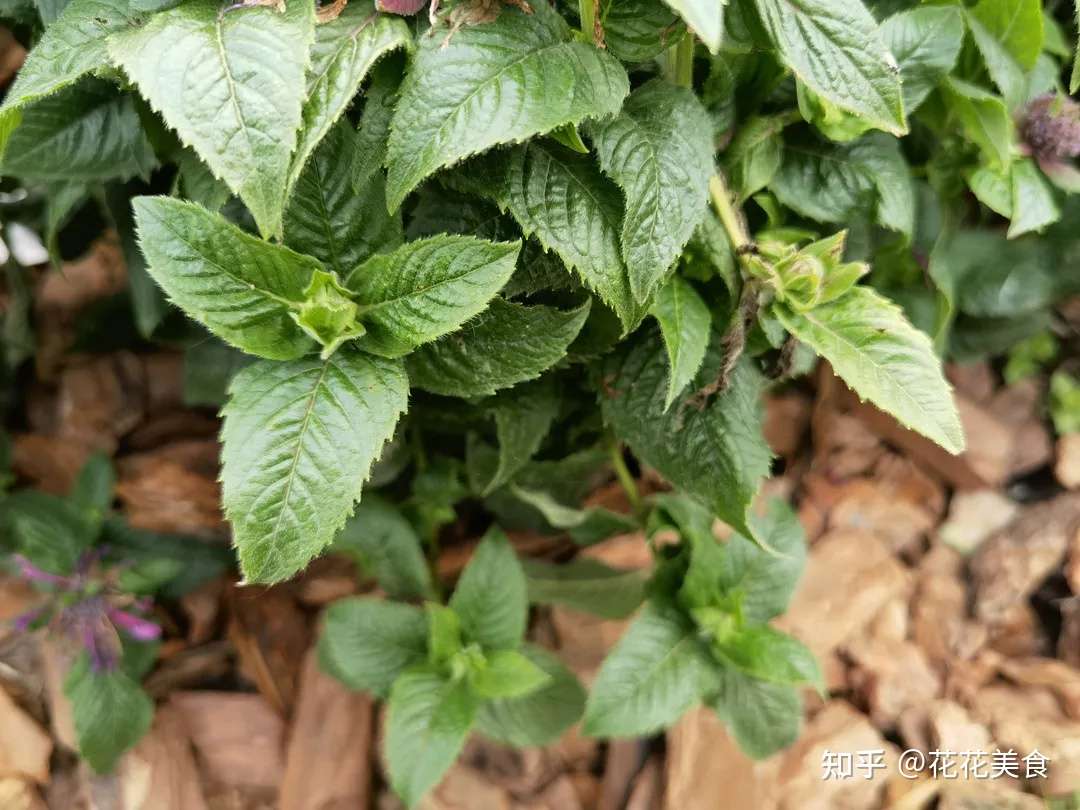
column 659, row 151
column 209, row 367
column 426, row 726
column 89, row 131
column 586, row 585
column 769, row 655
column 241, row 288
column 197, row 182
column 242, row 108
column 491, row 595
column 1000, row 64
column 883, row 358
column 387, row 545
column 638, row 30
column 93, row 490
column 656, row 672
column 523, row 417
column 585, row 526
column 367, row 643
column 51, row 532
column 993, row 188
column 444, row 634
column 685, row 322
column 763, row 717
column 984, row 119
column 373, row 131
column 299, row 439
column 710, row 447
column 508, row 674
column 427, row 288
column 110, row 711
column 1017, row 24
column 754, row 156
column 925, row 42
column 705, row 18
column 344, row 50
column 496, row 83
column 562, row 199
column 540, row 717
column 1074, row 78
column 836, row 49
column 71, row 47
column 1033, row 204
column 506, row 344
column 331, row 220
column 836, row 183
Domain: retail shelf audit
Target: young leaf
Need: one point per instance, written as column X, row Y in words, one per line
column 344, row 50
column 299, row 439
column 1000, row 64
column 367, row 643
column 330, row 219
column 506, row 344
column 657, row 671
column 89, row 131
column 508, row 674
column 769, row 655
column 685, row 322
column 585, row 526
column 540, row 717
column 883, row 358
column 426, row 726
column 444, row 633
column 763, row 717
column 427, row 288
column 586, row 585
column 705, row 18
column 500, row 82
column 925, row 42
column 523, row 416
column 562, row 198
column 659, row 150
column 373, row 131
column 388, row 546
column 241, row 288
column 1033, row 204
column 836, row 49
column 984, row 118
column 241, row 108
column 710, row 447
column 834, row 183
column 110, row 711
column 491, row 595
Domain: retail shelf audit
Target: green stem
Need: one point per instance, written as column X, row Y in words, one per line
column 684, row 61
column 625, row 479
column 730, row 216
column 587, row 10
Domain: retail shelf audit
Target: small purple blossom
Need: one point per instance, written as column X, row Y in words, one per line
column 1051, row 128
column 31, row 573
column 138, row 628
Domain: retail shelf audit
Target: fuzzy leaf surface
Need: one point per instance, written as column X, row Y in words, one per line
column 501, row 82
column 883, row 358
column 925, row 42
column 111, row 713
column 231, row 83
column 299, row 439
column 638, row 30
column 762, row 716
column 490, row 597
column 367, row 643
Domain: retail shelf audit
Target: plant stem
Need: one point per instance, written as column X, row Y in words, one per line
column 730, row 216
column 623, row 474
column 684, row 61
column 587, row 10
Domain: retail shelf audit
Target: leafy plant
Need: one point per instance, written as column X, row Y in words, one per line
column 451, row 271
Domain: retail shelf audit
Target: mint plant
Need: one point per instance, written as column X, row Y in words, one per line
column 456, row 269
column 98, row 579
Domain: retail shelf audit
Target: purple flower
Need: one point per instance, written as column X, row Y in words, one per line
column 1051, row 128
column 31, row 573
column 136, row 627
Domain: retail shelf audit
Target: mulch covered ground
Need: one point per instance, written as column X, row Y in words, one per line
column 942, row 596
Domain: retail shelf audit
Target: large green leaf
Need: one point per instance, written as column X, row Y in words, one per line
column 659, row 150
column 328, row 219
column 836, row 49
column 834, row 183
column 561, row 198
column 231, row 83
column 427, row 288
column 705, row 18
column 89, row 131
column 684, row 321
column 709, row 446
column 71, row 47
column 500, row 82
column 344, row 51
column 110, row 711
column 491, row 595
column 657, row 671
column 763, row 717
column 426, row 726
column 769, row 655
column 883, row 358
column 1017, row 24
column 539, row 718
column 506, row 344
column 367, row 643
column 299, row 439
column 925, row 42
column 241, row 288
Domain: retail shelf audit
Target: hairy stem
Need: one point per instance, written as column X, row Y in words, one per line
column 623, row 474
column 684, row 61
column 587, row 11
column 730, row 216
